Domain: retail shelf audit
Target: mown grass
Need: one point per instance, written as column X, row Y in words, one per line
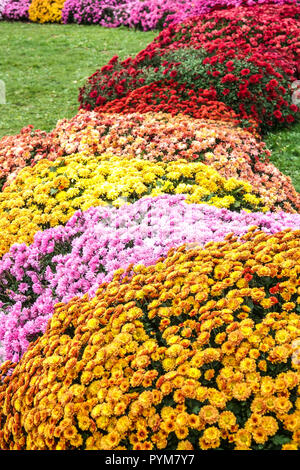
column 44, row 65
column 285, row 147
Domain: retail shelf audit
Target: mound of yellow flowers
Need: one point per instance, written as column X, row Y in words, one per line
column 50, row 193
column 198, row 351
column 46, row 11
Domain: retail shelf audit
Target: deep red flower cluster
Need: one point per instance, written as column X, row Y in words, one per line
column 262, row 37
column 114, row 80
column 263, row 32
column 250, row 90
column 171, row 97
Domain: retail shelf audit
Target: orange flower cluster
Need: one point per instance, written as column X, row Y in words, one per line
column 198, row 351
column 23, row 149
column 232, row 151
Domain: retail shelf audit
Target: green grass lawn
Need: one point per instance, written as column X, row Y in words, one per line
column 285, row 147
column 44, row 65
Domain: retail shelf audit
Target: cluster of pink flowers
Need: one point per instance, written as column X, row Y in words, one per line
column 68, row 261
column 3, row 4
column 108, row 13
column 157, row 14
column 16, row 10
column 146, row 14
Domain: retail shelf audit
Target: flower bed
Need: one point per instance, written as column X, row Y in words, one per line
column 76, row 134
column 150, row 250
column 230, row 56
column 144, row 15
column 232, row 151
column 147, row 14
column 158, row 14
column 248, row 30
column 64, row 262
column 49, row 193
column 195, row 352
column 107, row 13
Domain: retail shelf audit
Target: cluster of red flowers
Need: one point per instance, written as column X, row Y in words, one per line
column 248, row 47
column 173, row 98
column 268, row 33
column 111, row 82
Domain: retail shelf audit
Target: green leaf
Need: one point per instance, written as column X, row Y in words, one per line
column 280, row 440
